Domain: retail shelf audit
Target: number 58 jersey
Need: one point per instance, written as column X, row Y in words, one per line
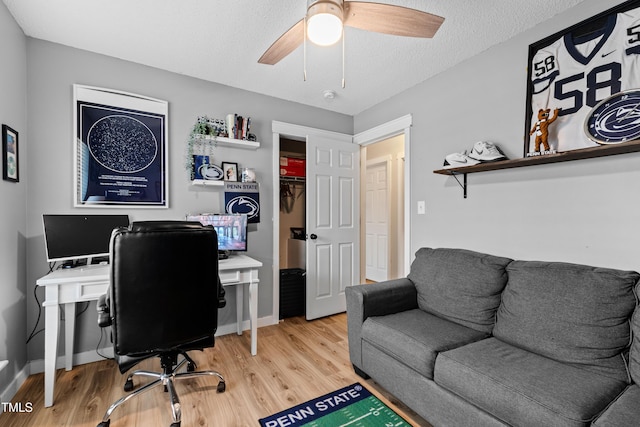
column 575, row 73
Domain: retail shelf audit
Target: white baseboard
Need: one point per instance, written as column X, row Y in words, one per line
column 12, row 388
column 231, row 328
column 90, row 356
column 37, row 366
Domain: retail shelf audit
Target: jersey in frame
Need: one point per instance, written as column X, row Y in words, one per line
column 576, row 73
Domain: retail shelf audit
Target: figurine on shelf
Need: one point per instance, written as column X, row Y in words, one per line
column 541, row 128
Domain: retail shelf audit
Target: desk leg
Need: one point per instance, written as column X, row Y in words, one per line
column 69, row 331
column 239, row 307
column 52, row 313
column 253, row 316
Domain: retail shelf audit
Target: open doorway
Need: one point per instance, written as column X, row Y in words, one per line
column 292, row 230
column 383, row 205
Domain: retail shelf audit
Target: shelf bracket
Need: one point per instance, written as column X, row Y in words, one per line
column 462, row 184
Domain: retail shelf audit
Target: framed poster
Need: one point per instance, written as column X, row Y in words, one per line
column 9, row 154
column 572, row 71
column 120, row 149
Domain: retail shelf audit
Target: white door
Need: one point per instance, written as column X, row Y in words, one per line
column 333, row 222
column 377, row 221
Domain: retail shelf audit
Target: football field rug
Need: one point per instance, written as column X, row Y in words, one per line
column 352, row 406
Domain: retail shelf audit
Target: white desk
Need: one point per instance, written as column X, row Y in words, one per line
column 69, row 286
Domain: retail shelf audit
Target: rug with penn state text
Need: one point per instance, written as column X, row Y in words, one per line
column 352, row 406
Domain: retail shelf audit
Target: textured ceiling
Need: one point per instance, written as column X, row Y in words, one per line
column 221, row 41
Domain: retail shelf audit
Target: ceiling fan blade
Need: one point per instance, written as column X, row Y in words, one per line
column 390, row 19
column 287, row 43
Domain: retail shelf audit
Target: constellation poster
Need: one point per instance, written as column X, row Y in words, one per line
column 121, row 149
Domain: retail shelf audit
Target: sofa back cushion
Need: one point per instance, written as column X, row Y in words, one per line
column 634, row 355
column 572, row 313
column 460, row 285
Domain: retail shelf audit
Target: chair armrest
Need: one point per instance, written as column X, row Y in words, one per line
column 104, row 311
column 376, row 299
column 222, row 302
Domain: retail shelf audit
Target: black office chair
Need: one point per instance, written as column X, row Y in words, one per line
column 163, row 301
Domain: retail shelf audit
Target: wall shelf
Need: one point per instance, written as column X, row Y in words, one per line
column 221, row 141
column 584, row 153
column 207, row 182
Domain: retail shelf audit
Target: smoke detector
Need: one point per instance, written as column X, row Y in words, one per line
column 329, row 94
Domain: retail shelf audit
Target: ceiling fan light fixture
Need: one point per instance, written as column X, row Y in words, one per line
column 324, row 22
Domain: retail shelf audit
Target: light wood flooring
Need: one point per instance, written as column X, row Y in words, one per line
column 297, row 360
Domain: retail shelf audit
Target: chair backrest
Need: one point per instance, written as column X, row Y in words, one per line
column 164, row 286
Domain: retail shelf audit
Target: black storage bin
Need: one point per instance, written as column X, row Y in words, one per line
column 292, row 292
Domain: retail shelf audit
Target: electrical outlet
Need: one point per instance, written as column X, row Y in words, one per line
column 421, row 207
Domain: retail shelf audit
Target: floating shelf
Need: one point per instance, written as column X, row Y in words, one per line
column 221, row 141
column 207, row 182
column 584, row 153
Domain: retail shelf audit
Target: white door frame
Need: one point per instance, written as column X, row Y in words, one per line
column 295, row 132
column 401, row 125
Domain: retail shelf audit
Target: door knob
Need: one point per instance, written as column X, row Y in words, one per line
column 313, row 237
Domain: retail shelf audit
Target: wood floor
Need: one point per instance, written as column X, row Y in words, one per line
column 297, row 361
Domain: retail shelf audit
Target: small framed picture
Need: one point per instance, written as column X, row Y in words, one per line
column 9, row 154
column 230, row 171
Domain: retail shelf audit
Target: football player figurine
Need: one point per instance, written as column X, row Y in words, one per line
column 541, row 128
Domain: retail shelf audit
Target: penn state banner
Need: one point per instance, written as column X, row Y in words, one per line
column 243, row 198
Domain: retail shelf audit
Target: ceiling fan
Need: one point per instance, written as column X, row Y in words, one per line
column 325, row 19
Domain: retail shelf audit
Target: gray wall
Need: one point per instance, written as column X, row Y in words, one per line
column 584, row 211
column 53, row 69
column 13, row 203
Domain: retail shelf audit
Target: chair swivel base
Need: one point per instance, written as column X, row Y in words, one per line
column 166, row 379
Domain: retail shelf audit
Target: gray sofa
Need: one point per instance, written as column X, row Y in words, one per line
column 471, row 339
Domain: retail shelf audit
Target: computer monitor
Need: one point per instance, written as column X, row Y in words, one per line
column 231, row 229
column 72, row 237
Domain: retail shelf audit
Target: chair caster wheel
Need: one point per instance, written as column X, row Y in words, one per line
column 221, row 387
column 191, row 367
column 128, row 385
column 104, row 423
column 175, row 424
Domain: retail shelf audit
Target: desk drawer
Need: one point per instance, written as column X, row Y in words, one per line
column 228, row 277
column 91, row 290
column 82, row 291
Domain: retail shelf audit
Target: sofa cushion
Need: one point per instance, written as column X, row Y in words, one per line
column 415, row 337
column 522, row 388
column 622, row 412
column 460, row 285
column 572, row 313
column 634, row 354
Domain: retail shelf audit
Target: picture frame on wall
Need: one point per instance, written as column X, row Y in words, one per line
column 230, row 171
column 121, row 149
column 573, row 72
column 10, row 154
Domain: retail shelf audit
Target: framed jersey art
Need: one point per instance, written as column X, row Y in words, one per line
column 582, row 84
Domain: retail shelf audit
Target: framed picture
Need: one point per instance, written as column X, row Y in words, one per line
column 575, row 70
column 120, row 149
column 230, row 171
column 10, row 154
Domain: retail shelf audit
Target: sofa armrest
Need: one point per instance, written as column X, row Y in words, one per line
column 376, row 299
